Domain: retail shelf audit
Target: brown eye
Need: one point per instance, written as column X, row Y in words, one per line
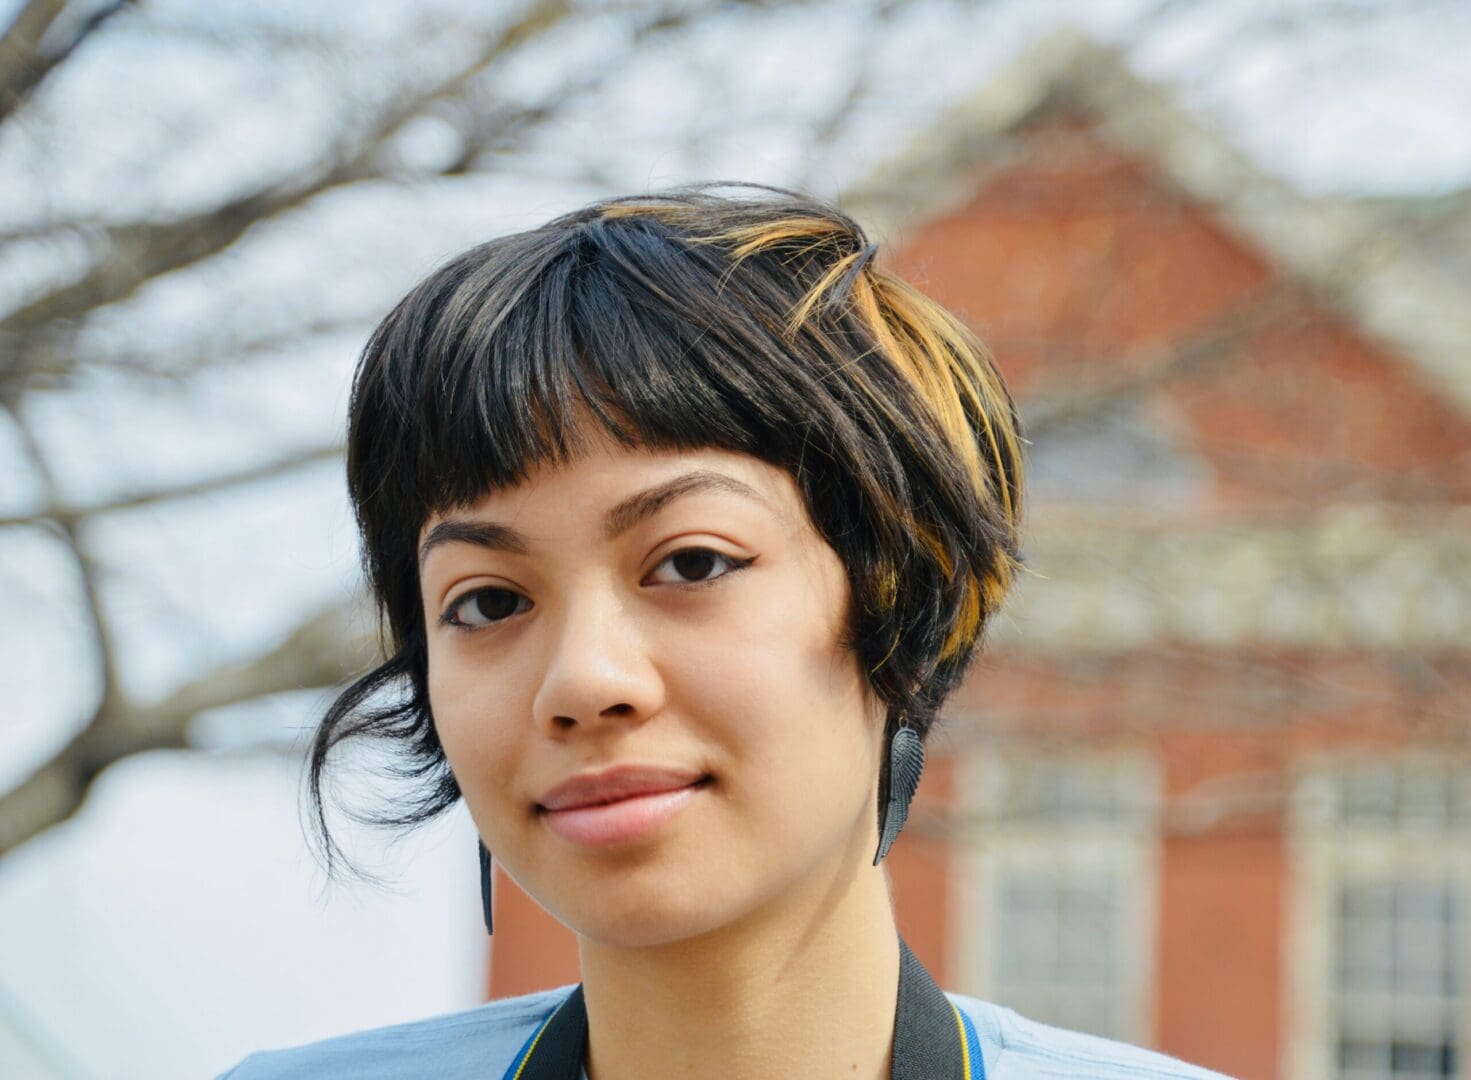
column 694, row 566
column 482, row 607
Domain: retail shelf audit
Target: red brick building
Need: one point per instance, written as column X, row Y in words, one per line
column 1209, row 786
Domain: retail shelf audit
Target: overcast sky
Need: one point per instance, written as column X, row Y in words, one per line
column 178, row 921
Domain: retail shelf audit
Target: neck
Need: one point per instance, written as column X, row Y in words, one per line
column 806, row 986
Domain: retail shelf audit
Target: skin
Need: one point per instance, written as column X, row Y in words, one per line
column 751, row 929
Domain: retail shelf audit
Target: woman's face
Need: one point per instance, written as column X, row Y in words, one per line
column 667, row 609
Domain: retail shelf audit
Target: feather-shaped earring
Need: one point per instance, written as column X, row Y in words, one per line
column 906, row 762
column 485, row 887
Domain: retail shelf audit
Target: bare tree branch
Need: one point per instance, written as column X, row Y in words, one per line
column 829, row 127
column 69, row 516
column 108, row 700
column 1222, row 338
column 139, row 252
column 326, row 650
column 23, row 64
column 185, row 361
column 101, row 637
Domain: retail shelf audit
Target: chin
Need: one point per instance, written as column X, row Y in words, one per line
column 642, row 926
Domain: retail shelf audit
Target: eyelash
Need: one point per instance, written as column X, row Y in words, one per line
column 735, row 565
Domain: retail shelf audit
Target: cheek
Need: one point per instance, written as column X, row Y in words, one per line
column 769, row 684
column 472, row 714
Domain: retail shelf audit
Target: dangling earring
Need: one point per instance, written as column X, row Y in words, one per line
column 906, row 762
column 485, row 887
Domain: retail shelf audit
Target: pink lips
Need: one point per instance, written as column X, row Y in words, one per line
column 619, row 805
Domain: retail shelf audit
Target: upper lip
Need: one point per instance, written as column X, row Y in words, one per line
column 619, row 782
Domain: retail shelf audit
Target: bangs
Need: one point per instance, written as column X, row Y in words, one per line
column 614, row 328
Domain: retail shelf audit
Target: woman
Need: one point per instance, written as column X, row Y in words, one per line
column 685, row 519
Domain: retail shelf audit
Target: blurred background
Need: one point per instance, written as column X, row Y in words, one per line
column 1207, row 788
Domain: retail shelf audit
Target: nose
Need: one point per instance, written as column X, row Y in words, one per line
column 598, row 670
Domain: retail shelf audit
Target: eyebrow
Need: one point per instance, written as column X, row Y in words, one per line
column 494, row 536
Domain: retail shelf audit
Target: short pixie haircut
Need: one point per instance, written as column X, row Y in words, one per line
column 737, row 317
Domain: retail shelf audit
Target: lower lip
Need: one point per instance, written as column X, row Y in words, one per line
column 622, row 821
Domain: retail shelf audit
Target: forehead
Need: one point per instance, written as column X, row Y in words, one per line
column 606, row 480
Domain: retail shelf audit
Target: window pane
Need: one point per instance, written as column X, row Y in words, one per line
column 1056, row 939
column 1397, row 968
column 1369, row 795
column 1368, row 1058
column 1365, row 954
column 1415, row 1060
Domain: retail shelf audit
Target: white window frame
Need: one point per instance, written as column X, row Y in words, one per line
column 991, row 846
column 1323, row 854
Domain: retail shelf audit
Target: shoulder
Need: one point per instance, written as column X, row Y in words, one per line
column 1016, row 1048
column 478, row 1042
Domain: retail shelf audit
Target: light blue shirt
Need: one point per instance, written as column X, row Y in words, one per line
column 480, row 1043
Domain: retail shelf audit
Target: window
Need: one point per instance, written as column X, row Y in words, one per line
column 1057, row 936
column 1056, row 889
column 1383, row 879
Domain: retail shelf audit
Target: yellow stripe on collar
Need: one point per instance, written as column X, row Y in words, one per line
column 964, row 1042
column 532, row 1049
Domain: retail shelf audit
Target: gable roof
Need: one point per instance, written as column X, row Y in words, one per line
column 1355, row 258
